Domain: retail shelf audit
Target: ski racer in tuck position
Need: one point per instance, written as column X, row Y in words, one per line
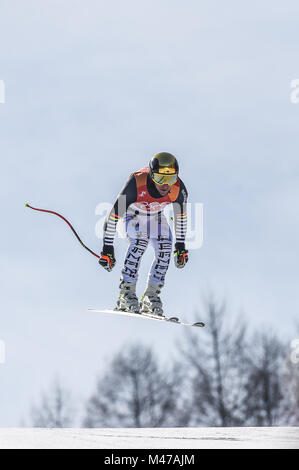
column 141, row 203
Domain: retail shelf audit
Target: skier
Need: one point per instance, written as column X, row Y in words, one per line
column 141, row 203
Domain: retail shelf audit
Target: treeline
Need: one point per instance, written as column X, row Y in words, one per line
column 222, row 375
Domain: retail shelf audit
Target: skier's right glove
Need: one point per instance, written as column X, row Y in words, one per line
column 107, row 259
column 180, row 255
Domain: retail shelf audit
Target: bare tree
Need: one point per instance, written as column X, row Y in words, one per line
column 290, row 385
column 264, row 392
column 55, row 409
column 134, row 392
column 215, row 358
column 290, row 403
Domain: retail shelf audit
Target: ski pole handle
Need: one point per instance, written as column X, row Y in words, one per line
column 180, row 258
column 107, row 262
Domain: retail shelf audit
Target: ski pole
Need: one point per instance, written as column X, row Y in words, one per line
column 63, row 218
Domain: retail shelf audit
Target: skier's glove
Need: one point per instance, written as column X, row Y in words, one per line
column 180, row 255
column 107, row 259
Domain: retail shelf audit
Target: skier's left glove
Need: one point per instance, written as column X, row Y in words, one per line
column 180, row 255
column 107, row 259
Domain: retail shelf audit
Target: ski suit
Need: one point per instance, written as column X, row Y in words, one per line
column 141, row 206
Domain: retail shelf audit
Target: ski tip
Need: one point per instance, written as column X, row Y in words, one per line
column 199, row 323
column 174, row 319
column 26, row 204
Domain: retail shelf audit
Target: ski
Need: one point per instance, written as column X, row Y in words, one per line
column 147, row 316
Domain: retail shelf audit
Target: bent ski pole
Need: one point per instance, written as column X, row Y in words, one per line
column 63, row 218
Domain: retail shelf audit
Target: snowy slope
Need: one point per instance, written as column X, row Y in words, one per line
column 153, row 438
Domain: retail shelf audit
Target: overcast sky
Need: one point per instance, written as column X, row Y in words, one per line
column 93, row 90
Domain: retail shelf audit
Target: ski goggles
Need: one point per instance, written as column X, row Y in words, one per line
column 169, row 179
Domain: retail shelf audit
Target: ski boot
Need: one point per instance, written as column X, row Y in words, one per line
column 150, row 301
column 127, row 299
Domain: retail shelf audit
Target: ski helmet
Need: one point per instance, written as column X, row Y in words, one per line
column 164, row 168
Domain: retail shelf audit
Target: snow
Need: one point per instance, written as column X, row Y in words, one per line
column 151, row 438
